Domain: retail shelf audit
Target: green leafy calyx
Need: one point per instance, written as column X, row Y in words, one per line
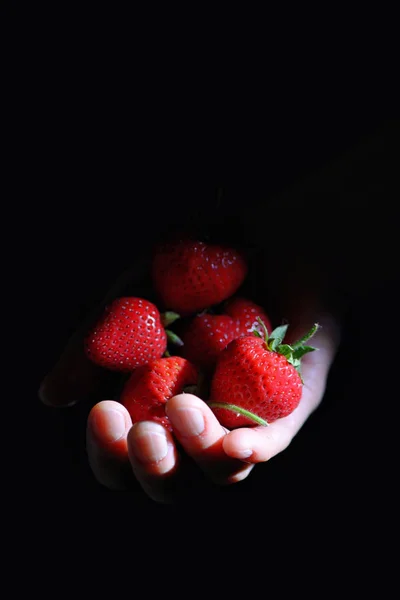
column 169, row 317
column 292, row 352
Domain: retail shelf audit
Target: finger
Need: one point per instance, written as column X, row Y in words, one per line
column 201, row 435
column 107, row 429
column 74, row 377
column 260, row 444
column 154, row 460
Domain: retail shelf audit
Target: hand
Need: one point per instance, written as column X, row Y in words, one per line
column 157, row 458
column 200, row 449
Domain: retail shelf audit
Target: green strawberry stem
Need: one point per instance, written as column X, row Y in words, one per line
column 240, row 410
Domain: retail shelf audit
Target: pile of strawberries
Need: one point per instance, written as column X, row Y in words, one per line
column 201, row 336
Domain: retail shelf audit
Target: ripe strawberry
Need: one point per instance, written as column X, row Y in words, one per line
column 207, row 334
column 257, row 380
column 247, row 314
column 129, row 334
column 205, row 338
column 190, row 276
column 149, row 387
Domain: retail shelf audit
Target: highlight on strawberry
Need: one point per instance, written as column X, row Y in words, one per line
column 130, row 333
column 258, row 379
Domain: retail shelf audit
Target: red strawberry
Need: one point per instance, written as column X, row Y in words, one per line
column 190, row 276
column 247, row 314
column 257, row 380
column 205, row 338
column 149, row 387
column 129, row 334
column 207, row 334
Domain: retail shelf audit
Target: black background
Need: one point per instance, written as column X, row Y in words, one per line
column 117, row 135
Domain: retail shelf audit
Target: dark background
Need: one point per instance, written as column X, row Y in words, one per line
column 113, row 138
column 321, row 191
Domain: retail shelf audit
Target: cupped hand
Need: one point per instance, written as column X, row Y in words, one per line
column 118, row 450
column 168, row 465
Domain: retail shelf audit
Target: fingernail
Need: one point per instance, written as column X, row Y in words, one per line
column 244, row 453
column 188, row 421
column 149, row 442
column 109, row 425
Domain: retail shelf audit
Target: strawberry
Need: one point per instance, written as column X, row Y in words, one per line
column 205, row 338
column 149, row 387
column 190, row 276
column 129, row 334
column 247, row 314
column 257, row 379
column 208, row 334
